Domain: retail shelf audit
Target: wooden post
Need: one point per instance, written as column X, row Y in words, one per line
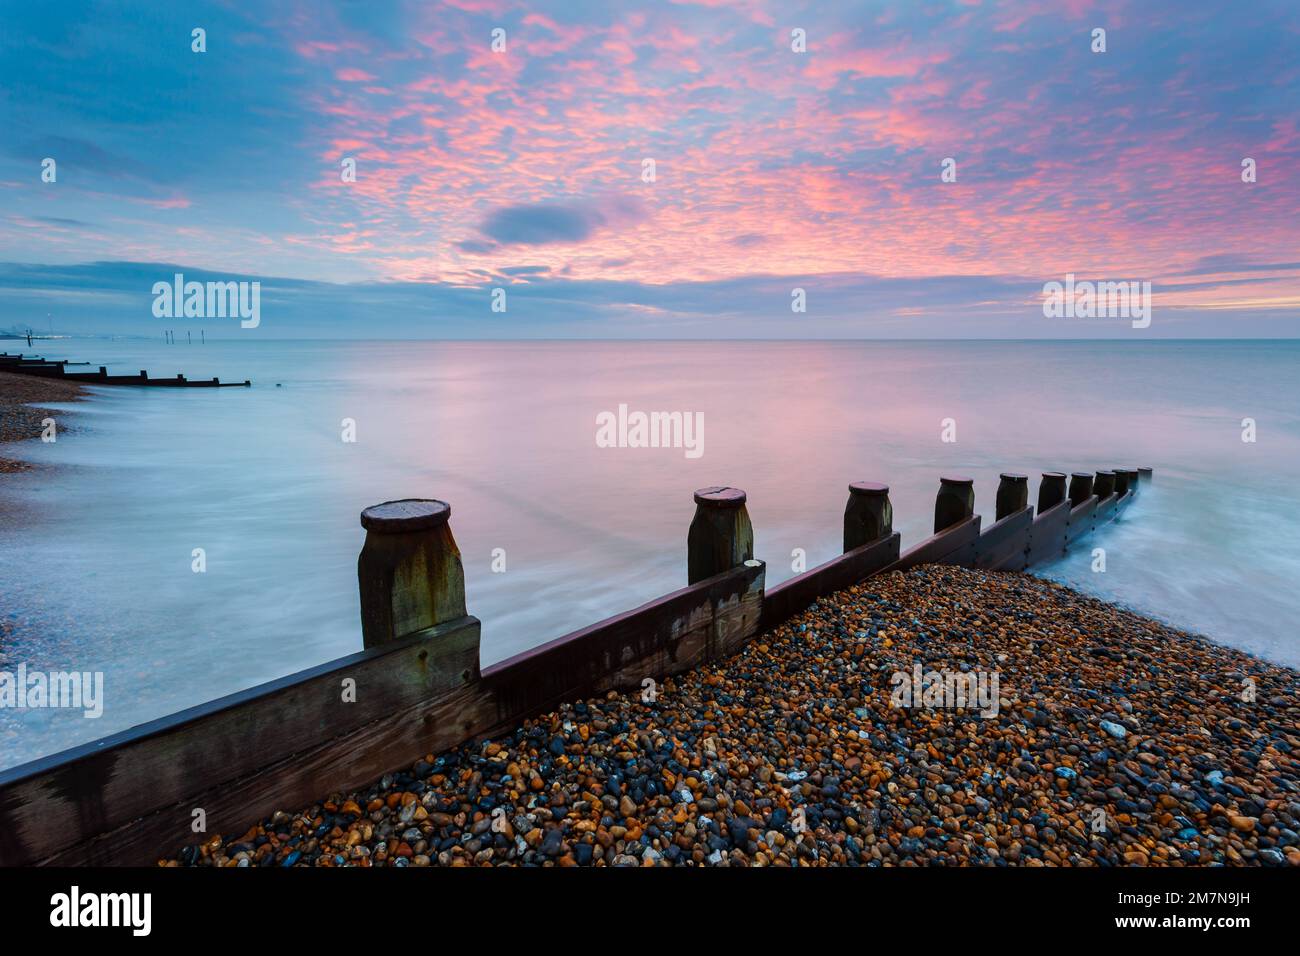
column 1080, row 488
column 955, row 501
column 1104, row 486
column 720, row 537
column 1013, row 494
column 1051, row 490
column 1121, row 481
column 868, row 516
column 409, row 570
column 1132, row 474
column 1144, row 474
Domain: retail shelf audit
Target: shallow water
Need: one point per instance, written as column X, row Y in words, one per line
column 99, row 578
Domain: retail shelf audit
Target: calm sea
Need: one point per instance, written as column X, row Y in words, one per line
column 96, row 575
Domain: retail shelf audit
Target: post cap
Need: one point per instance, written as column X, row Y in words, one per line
column 1104, row 472
column 1080, row 474
column 406, row 514
column 872, row 488
column 1013, row 476
column 956, row 480
column 1053, row 474
column 720, row 496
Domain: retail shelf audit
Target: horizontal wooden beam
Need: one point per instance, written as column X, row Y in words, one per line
column 53, row 802
column 953, row 545
column 704, row 622
column 1082, row 520
column 1106, row 510
column 1047, row 534
column 790, row 597
column 1002, row 547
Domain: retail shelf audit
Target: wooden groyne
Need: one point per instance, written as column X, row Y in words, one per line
column 34, row 365
column 416, row 687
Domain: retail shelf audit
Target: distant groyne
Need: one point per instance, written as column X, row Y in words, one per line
column 35, row 365
column 416, row 687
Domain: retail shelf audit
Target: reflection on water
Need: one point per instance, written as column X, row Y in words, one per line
column 261, row 480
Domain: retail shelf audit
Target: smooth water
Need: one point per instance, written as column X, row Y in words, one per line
column 95, row 570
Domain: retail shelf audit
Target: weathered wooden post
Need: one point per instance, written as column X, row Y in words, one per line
column 868, row 515
column 1080, row 488
column 1121, row 481
column 409, row 570
column 955, row 501
column 720, row 537
column 1132, row 474
column 1051, row 490
column 1144, row 474
column 1013, row 494
column 1104, row 486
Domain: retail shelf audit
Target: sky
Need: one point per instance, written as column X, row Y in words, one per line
column 774, row 168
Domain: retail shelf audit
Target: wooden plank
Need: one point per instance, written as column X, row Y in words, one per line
column 790, row 597
column 672, row 634
column 1080, row 523
column 1105, row 511
column 50, row 803
column 1047, row 534
column 950, row 546
column 318, row 769
column 1005, row 542
column 707, row 621
column 1016, row 561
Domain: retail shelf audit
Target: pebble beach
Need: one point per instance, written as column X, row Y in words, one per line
column 20, row 411
column 1115, row 741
